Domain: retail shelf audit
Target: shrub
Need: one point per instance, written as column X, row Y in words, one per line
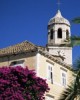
column 17, row 83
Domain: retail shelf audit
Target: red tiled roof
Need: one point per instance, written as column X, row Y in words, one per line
column 18, row 48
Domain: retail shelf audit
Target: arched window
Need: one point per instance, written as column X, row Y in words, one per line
column 67, row 35
column 59, row 33
column 51, row 34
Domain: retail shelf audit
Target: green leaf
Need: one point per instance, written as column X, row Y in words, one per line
column 75, row 40
column 76, row 20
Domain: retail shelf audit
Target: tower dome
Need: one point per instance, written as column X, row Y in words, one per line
column 58, row 19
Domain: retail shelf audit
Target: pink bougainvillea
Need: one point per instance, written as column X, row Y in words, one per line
column 17, row 83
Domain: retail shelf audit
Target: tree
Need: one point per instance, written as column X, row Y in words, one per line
column 17, row 83
column 76, row 20
column 72, row 92
column 75, row 40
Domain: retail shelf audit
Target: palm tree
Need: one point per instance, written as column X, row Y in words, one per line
column 76, row 20
column 75, row 40
column 72, row 92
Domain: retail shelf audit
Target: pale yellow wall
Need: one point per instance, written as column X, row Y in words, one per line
column 29, row 60
column 56, row 88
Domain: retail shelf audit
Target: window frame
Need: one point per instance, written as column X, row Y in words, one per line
column 64, row 79
column 50, row 73
column 17, row 63
column 49, row 98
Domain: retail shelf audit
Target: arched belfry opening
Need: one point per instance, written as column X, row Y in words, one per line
column 67, row 35
column 59, row 34
column 51, row 34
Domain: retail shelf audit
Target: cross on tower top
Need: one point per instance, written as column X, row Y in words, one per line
column 58, row 4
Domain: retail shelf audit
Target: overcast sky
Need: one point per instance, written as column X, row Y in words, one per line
column 22, row 20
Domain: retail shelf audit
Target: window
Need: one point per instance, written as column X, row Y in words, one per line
column 51, row 34
column 17, row 63
column 59, row 33
column 63, row 78
column 49, row 98
column 50, row 74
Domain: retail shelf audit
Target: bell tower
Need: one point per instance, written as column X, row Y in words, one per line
column 59, row 37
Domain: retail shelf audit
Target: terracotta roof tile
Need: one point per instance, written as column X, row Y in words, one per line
column 18, row 48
